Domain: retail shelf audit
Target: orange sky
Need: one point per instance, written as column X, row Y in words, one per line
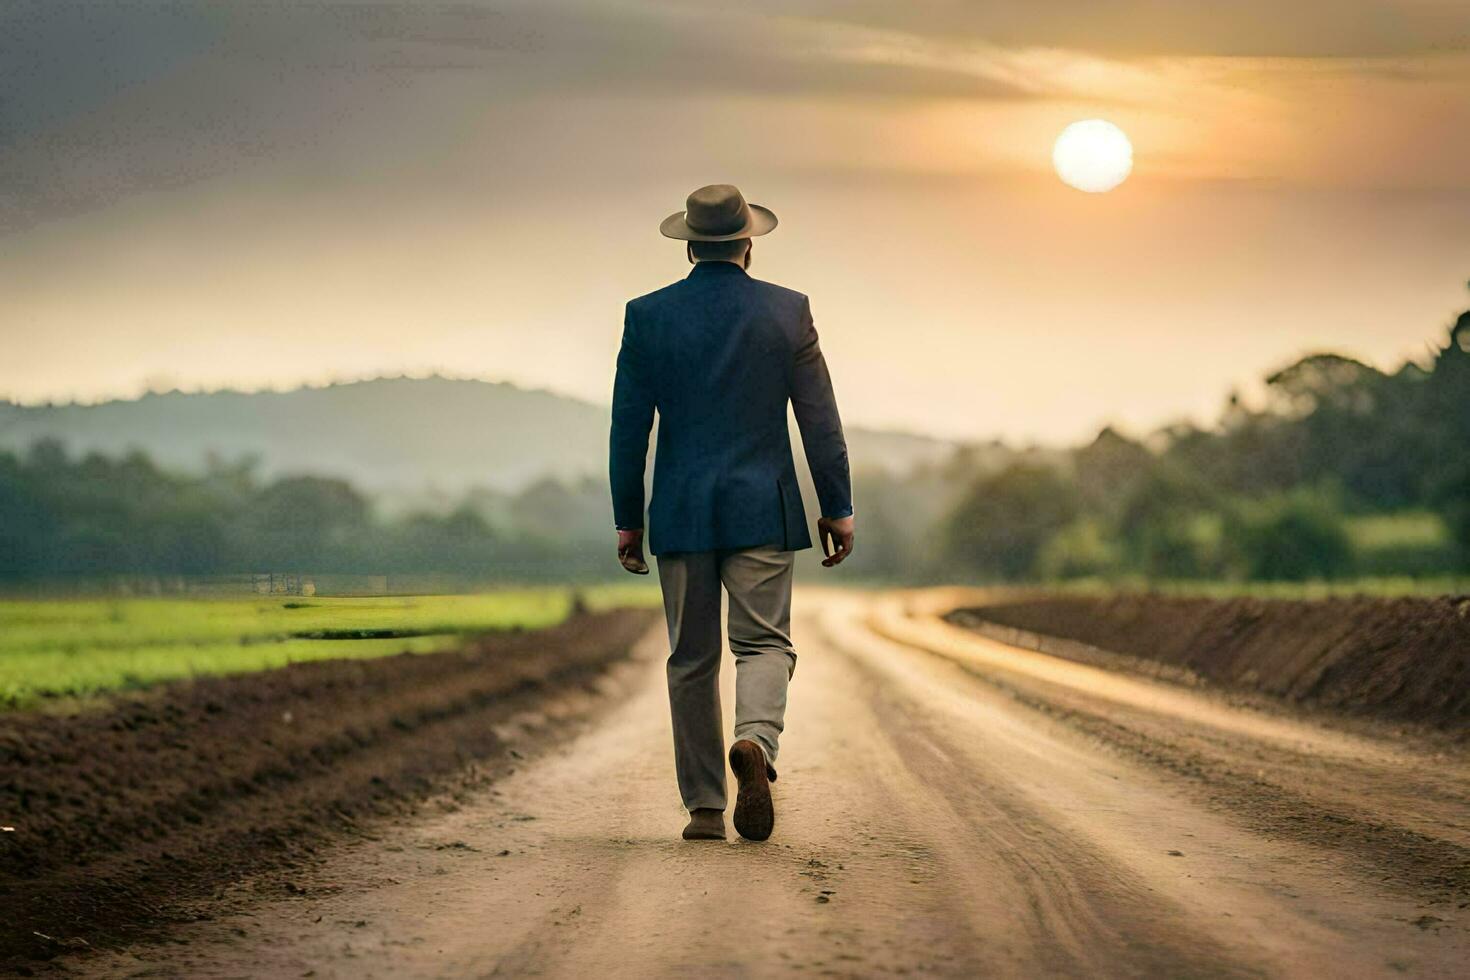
column 259, row 197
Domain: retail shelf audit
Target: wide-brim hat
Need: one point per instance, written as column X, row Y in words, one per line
column 718, row 213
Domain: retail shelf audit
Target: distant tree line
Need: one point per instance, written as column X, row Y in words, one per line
column 94, row 517
column 1344, row 471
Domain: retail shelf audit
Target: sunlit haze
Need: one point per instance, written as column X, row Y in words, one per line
column 198, row 195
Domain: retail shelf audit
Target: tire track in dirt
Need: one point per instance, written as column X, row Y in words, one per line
column 128, row 814
column 1402, row 815
column 1080, row 910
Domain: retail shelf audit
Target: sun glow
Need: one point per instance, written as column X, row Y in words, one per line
column 1093, row 156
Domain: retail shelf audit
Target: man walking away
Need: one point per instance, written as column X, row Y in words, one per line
column 719, row 355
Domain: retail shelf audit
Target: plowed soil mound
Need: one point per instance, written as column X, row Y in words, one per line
column 1402, row 659
column 121, row 814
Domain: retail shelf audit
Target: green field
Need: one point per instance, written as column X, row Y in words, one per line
column 65, row 648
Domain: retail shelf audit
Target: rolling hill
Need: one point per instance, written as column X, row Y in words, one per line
column 387, row 436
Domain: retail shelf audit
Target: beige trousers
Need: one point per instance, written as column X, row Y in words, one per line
column 758, row 582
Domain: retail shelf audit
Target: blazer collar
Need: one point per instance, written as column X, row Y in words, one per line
column 702, row 269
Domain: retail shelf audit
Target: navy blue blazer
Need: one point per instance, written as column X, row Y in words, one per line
column 719, row 355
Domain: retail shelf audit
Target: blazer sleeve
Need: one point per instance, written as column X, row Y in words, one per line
column 815, row 406
column 632, row 418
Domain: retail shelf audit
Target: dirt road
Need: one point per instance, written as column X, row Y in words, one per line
column 947, row 805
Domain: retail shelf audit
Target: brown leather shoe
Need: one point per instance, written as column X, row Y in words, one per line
column 705, row 825
column 755, row 817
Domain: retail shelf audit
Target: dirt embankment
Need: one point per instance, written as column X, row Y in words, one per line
column 1401, row 659
column 121, row 815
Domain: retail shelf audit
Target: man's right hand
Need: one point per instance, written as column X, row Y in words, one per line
column 836, row 536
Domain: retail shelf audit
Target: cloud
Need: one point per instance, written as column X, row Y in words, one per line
column 1151, row 28
column 103, row 100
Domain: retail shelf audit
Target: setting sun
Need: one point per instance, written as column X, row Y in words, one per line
column 1093, row 156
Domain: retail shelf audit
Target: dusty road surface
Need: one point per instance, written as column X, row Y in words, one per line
column 947, row 806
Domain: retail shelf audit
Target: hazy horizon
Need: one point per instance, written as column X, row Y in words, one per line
column 160, row 386
column 256, row 197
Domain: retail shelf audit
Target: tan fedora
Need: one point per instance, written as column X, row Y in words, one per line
column 718, row 213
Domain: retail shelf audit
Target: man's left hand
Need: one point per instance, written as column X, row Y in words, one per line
column 630, row 551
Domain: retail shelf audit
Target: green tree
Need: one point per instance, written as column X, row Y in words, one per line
column 1171, row 525
column 1084, row 548
column 1108, row 470
column 1000, row 526
column 1297, row 536
column 301, row 523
